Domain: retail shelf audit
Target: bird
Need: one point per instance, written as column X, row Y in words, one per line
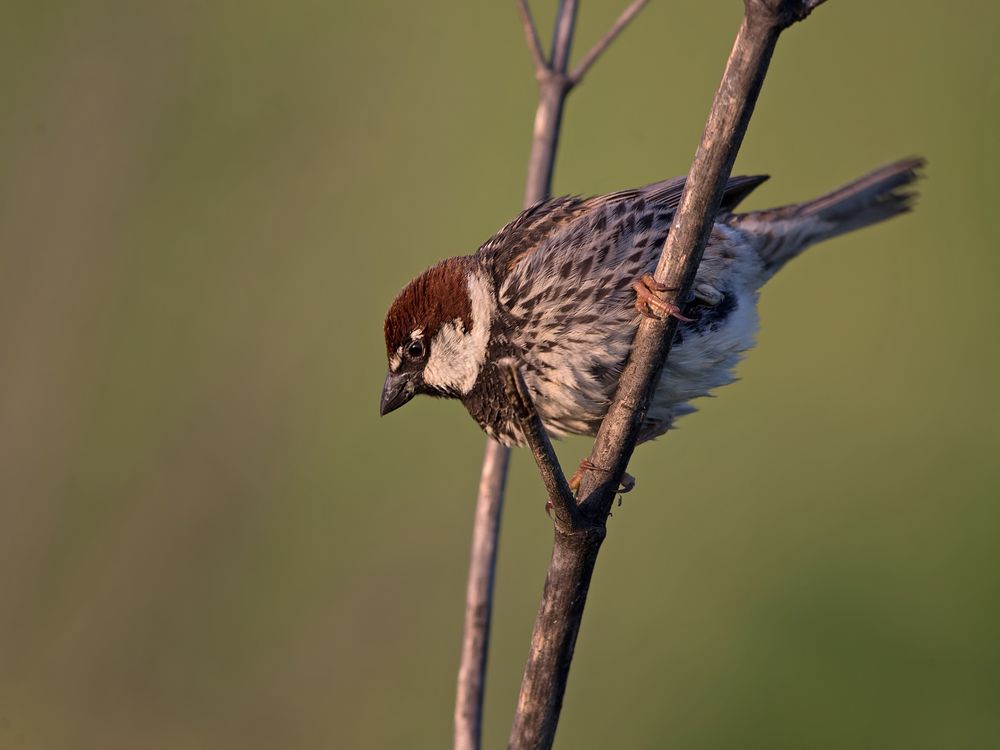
column 560, row 291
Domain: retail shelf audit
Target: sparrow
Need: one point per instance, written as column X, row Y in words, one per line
column 561, row 289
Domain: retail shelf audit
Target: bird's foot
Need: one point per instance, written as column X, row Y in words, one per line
column 627, row 485
column 649, row 300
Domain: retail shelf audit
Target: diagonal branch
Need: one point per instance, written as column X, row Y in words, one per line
column 567, row 515
column 574, row 552
column 734, row 101
column 605, row 41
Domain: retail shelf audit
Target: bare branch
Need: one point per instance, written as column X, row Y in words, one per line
column 574, row 554
column 567, row 515
column 734, row 101
column 531, row 37
column 489, row 502
column 479, row 598
column 605, row 41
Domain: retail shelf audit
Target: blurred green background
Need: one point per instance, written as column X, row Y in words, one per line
column 208, row 539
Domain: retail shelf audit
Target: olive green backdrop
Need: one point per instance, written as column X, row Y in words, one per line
column 208, row 539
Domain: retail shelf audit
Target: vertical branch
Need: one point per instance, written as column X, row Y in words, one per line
column 554, row 85
column 575, row 550
column 493, row 477
column 479, row 598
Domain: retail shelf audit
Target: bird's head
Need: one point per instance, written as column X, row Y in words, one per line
column 437, row 333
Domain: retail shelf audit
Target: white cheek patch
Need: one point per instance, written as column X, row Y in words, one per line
column 457, row 355
column 452, row 365
column 395, row 361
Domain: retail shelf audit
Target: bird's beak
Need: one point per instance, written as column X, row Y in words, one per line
column 398, row 389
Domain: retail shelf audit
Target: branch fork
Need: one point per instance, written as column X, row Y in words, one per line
column 554, row 70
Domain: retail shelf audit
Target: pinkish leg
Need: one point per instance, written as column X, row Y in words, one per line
column 649, row 302
column 628, row 481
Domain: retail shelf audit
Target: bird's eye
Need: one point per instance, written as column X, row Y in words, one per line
column 415, row 349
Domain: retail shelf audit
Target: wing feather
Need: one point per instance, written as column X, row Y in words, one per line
column 565, row 270
column 535, row 226
column 595, row 247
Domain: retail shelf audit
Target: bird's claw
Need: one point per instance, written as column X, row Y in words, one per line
column 649, row 302
column 707, row 294
column 627, row 485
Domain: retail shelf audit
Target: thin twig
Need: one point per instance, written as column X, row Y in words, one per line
column 531, row 37
column 567, row 515
column 554, row 85
column 605, row 41
column 574, row 553
column 492, row 481
column 562, row 37
column 479, row 598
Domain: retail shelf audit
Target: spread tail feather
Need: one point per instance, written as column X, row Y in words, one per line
column 786, row 231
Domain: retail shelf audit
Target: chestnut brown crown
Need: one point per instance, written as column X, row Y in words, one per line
column 436, row 296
